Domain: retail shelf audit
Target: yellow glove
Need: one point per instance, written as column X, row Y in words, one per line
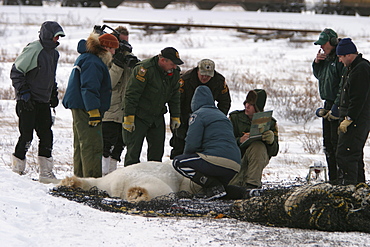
column 95, row 117
column 268, row 137
column 129, row 123
column 175, row 122
column 344, row 124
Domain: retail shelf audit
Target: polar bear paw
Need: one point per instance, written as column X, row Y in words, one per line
column 73, row 182
column 137, row 194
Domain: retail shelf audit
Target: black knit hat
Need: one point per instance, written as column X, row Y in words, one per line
column 345, row 47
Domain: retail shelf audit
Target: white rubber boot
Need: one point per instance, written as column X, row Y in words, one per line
column 18, row 165
column 112, row 165
column 105, row 163
column 46, row 170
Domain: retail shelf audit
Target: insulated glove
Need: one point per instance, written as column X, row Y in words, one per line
column 119, row 59
column 25, row 99
column 175, row 123
column 344, row 124
column 333, row 113
column 129, row 123
column 95, row 117
column 54, row 101
column 321, row 112
column 268, row 137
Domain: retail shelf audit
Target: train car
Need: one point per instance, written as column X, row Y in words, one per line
column 362, row 7
column 341, row 7
column 82, row 3
column 23, row 2
column 250, row 5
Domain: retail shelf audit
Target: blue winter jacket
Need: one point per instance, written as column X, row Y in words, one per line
column 210, row 131
column 89, row 85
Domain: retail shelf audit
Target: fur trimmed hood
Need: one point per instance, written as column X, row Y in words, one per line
column 93, row 46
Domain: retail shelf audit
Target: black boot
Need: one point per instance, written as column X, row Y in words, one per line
column 211, row 186
column 237, row 192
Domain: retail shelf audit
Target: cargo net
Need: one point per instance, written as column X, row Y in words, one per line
column 322, row 206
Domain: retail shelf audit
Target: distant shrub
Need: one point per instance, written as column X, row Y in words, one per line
column 311, row 141
column 7, row 93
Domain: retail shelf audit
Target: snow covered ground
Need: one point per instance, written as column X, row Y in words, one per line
column 29, row 216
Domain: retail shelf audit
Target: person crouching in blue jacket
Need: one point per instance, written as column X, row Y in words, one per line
column 88, row 95
column 211, row 156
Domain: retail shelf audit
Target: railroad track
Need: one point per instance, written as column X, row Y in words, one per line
column 174, row 25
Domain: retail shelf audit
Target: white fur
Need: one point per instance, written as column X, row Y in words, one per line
column 139, row 182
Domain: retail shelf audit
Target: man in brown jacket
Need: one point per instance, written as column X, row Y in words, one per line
column 203, row 74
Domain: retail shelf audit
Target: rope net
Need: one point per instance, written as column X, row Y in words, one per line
column 322, row 206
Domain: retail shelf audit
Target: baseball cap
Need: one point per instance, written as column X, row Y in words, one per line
column 206, row 67
column 325, row 36
column 172, row 54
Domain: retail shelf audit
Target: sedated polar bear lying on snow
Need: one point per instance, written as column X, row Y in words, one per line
column 139, row 182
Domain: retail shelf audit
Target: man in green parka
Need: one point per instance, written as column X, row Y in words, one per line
column 328, row 70
column 257, row 154
column 153, row 84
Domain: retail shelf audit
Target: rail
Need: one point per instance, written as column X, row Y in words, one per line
column 189, row 25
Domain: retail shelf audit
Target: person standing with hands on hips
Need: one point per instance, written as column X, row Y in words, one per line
column 354, row 110
column 328, row 70
column 88, row 95
column 33, row 77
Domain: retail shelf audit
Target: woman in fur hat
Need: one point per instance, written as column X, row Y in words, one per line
column 88, row 95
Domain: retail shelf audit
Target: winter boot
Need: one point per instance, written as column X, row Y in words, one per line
column 18, row 165
column 112, row 165
column 105, row 165
column 46, row 170
column 212, row 188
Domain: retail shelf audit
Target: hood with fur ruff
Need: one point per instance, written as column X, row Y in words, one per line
column 93, row 46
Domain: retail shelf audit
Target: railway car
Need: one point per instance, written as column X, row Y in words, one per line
column 23, row 2
column 341, row 7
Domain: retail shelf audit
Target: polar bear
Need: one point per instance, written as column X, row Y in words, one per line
column 138, row 182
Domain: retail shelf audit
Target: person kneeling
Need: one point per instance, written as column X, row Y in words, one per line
column 211, row 156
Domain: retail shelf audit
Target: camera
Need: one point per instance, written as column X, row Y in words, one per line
column 123, row 44
column 130, row 60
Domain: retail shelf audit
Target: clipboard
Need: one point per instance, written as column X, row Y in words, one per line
column 261, row 122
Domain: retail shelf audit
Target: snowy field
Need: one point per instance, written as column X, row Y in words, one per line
column 29, row 216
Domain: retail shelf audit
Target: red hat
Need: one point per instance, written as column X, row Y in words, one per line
column 108, row 40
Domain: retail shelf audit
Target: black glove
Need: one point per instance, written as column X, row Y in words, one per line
column 25, row 99
column 27, row 106
column 54, row 101
column 131, row 60
column 118, row 59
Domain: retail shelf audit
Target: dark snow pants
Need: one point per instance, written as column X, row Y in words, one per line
column 155, row 136
column 188, row 164
column 350, row 151
column 113, row 140
column 330, row 142
column 39, row 119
